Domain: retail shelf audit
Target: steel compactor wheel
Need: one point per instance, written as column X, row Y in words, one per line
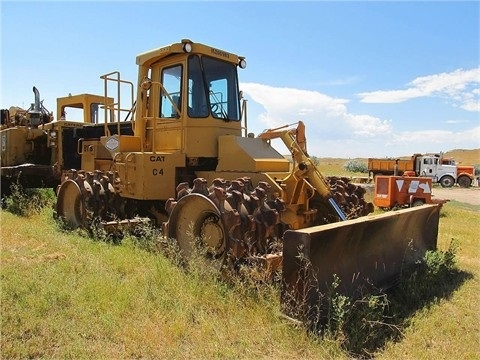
column 70, row 206
column 197, row 221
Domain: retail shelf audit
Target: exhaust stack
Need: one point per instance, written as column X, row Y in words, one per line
column 35, row 114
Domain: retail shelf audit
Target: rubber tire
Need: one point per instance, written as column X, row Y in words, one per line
column 417, row 202
column 447, row 181
column 464, row 181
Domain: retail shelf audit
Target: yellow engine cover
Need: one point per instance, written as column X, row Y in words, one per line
column 238, row 153
column 17, row 144
column 148, row 176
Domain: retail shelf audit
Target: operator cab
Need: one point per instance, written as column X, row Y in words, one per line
column 188, row 97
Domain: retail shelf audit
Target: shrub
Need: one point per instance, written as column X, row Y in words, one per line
column 477, row 169
column 28, row 202
column 428, row 280
column 357, row 166
column 315, row 160
column 364, row 323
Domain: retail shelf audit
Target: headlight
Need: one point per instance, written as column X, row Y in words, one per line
column 53, row 134
column 242, row 63
column 187, row 47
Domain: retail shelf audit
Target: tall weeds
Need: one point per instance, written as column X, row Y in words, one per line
column 364, row 323
column 361, row 325
column 27, row 202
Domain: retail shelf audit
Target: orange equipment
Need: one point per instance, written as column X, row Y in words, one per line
column 403, row 191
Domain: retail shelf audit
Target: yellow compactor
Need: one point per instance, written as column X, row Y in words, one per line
column 191, row 167
column 36, row 148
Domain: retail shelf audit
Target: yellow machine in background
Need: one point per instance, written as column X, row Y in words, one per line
column 35, row 148
column 20, row 133
column 190, row 167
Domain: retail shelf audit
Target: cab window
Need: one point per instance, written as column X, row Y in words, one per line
column 171, row 101
column 197, row 99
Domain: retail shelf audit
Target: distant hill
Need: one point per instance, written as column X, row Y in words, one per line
column 464, row 157
column 461, row 156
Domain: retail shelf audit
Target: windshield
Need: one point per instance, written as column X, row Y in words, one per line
column 213, row 91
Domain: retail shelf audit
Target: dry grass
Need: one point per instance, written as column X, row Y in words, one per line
column 66, row 296
column 334, row 166
column 450, row 327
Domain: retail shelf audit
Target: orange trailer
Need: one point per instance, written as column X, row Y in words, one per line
column 403, row 191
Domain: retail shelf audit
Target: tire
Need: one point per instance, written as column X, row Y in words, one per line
column 417, row 202
column 447, row 181
column 464, row 181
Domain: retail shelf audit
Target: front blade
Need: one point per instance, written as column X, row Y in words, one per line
column 368, row 251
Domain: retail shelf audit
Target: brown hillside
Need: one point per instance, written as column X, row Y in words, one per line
column 465, row 157
column 461, row 156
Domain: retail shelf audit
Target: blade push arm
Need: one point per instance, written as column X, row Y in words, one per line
column 295, row 141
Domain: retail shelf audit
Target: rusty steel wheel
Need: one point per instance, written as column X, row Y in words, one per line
column 196, row 221
column 70, row 206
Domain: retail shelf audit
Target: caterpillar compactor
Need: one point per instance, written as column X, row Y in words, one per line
column 192, row 168
column 35, row 148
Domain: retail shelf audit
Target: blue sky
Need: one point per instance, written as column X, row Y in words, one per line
column 369, row 79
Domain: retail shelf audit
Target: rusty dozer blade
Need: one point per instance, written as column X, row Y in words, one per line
column 368, row 251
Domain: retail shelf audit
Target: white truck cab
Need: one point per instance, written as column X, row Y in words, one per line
column 431, row 166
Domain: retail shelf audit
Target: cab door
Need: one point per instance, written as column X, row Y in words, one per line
column 168, row 104
column 429, row 167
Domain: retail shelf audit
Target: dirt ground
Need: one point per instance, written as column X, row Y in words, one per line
column 469, row 196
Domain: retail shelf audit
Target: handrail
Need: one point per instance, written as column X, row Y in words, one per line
column 116, row 106
column 243, row 115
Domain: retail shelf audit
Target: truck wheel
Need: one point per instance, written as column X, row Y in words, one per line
column 447, row 181
column 464, row 181
column 417, row 202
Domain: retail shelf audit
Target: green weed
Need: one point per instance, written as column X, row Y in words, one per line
column 64, row 296
column 26, row 201
column 363, row 324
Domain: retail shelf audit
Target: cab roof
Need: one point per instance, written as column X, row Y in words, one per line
column 184, row 47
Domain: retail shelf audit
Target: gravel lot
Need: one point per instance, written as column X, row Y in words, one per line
column 469, row 196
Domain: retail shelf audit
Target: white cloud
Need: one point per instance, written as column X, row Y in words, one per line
column 283, row 104
column 454, row 139
column 390, row 96
column 321, row 113
column 367, row 126
column 334, row 131
column 456, row 121
column 459, row 87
